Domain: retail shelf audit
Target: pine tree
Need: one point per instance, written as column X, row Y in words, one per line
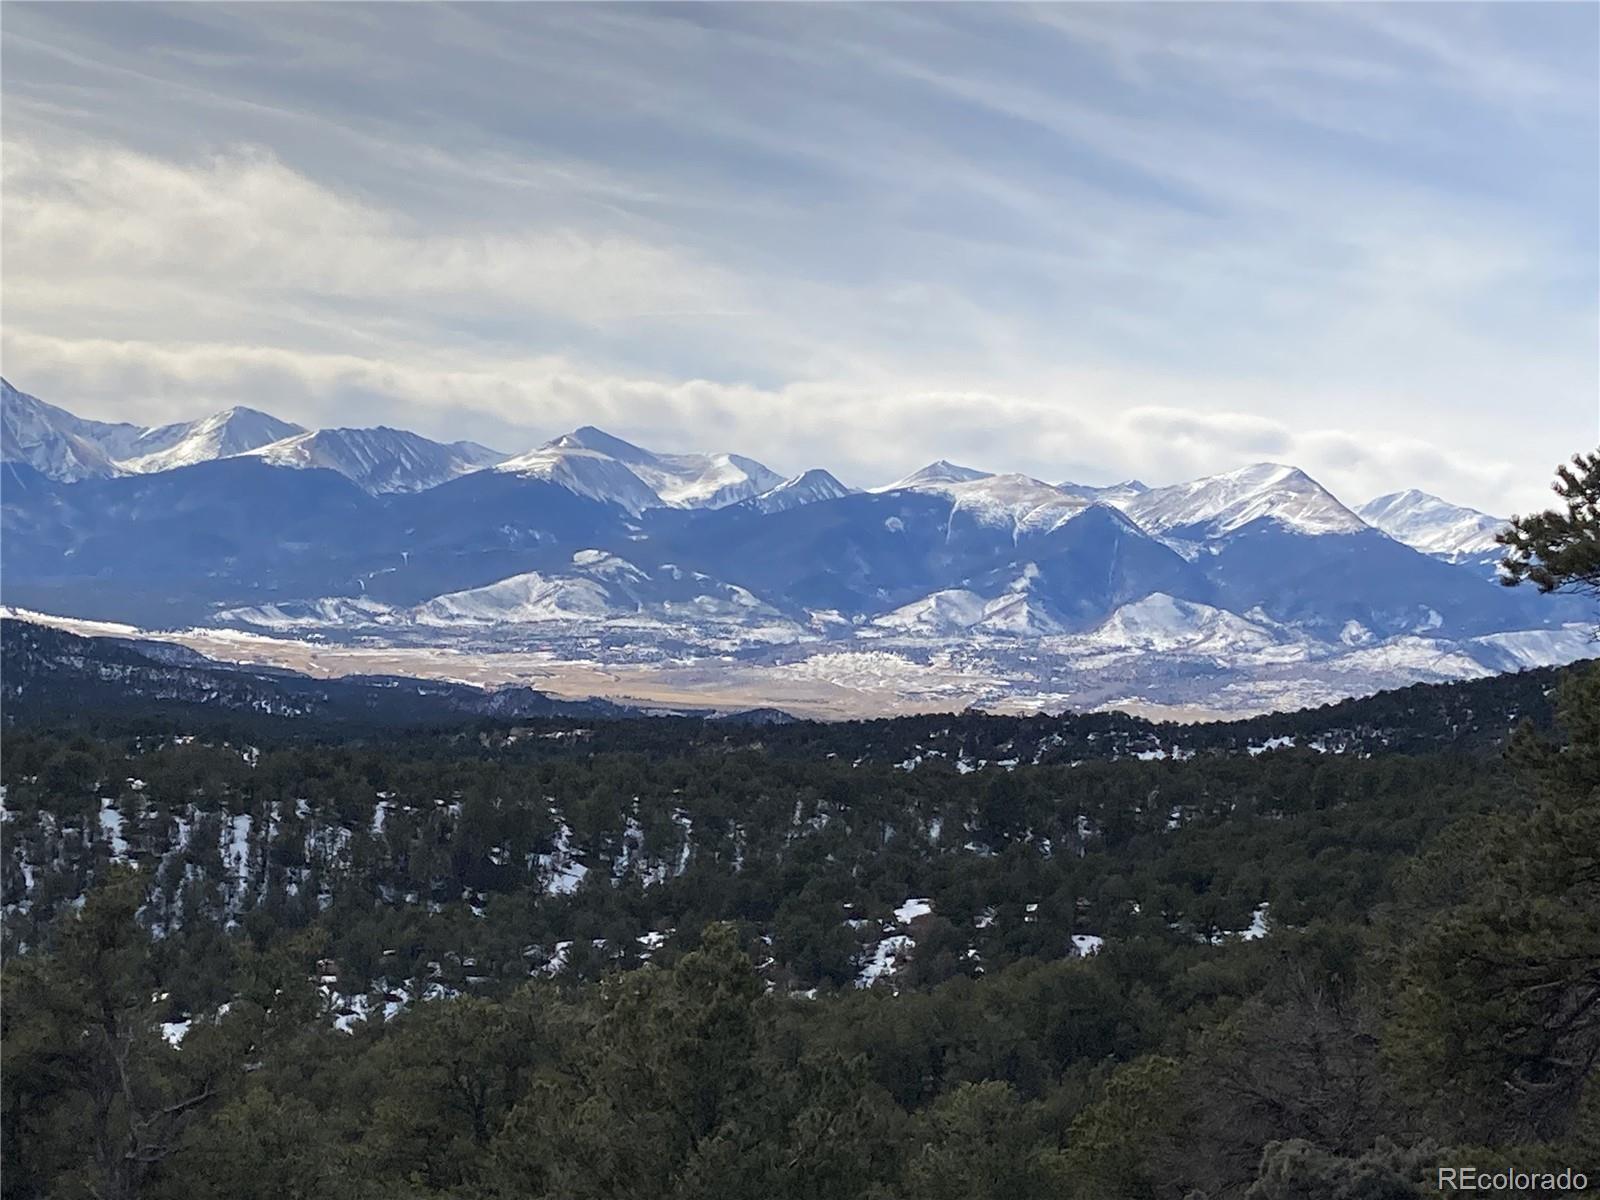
column 654, row 1082
column 1498, row 991
column 1559, row 549
column 978, row 1143
column 95, row 1100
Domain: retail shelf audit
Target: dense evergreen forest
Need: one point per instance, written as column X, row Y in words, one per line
column 645, row 958
column 254, row 951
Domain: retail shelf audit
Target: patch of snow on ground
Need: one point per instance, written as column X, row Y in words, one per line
column 238, row 852
column 563, row 872
column 1258, row 924
column 557, row 961
column 887, row 957
column 912, row 909
column 111, row 827
column 175, row 1031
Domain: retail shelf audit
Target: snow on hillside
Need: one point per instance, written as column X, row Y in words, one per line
column 934, row 474
column 808, row 488
column 1025, row 505
column 309, row 614
column 948, row 611
column 678, row 480
column 602, row 587
column 1160, row 622
column 1524, row 648
column 380, row 460
column 879, row 670
column 706, row 480
column 1115, row 493
column 221, row 435
column 1220, row 504
column 586, row 472
column 524, row 599
column 1013, row 612
column 1434, row 526
column 51, row 440
column 1018, row 504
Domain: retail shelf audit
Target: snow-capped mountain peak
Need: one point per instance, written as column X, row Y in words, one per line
column 68, row 448
column 588, row 437
column 935, row 475
column 224, row 434
column 52, row 441
column 586, row 472
column 806, row 488
column 1434, row 526
column 677, row 480
column 1221, row 504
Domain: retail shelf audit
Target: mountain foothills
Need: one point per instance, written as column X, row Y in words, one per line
column 264, row 938
column 1256, row 589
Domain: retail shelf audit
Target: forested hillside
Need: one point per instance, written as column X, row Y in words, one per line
column 265, row 955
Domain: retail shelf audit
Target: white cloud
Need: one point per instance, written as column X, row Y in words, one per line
column 243, row 223
column 865, row 436
column 854, row 236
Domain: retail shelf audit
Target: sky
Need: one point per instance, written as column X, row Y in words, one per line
column 1082, row 241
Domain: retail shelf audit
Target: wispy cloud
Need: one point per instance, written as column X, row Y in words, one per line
column 1080, row 240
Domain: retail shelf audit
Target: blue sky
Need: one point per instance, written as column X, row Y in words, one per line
column 1082, row 241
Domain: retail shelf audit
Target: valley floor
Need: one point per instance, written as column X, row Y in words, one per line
column 1164, row 674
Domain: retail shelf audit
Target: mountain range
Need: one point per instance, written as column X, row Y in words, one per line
column 1248, row 589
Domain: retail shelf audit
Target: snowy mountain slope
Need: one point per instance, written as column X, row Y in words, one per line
column 947, row 611
column 1322, row 584
column 1434, row 526
column 522, row 599
column 1521, row 649
column 1012, row 612
column 1018, row 505
column 679, row 480
column 870, row 553
column 1015, row 503
column 589, row 473
column 1115, row 493
column 1067, row 578
column 69, row 448
column 934, row 475
column 810, row 487
column 1163, row 623
column 1078, row 571
column 381, row 459
column 221, row 435
column 172, row 542
column 52, row 441
column 707, row 480
column 599, row 585
column 1217, row 505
